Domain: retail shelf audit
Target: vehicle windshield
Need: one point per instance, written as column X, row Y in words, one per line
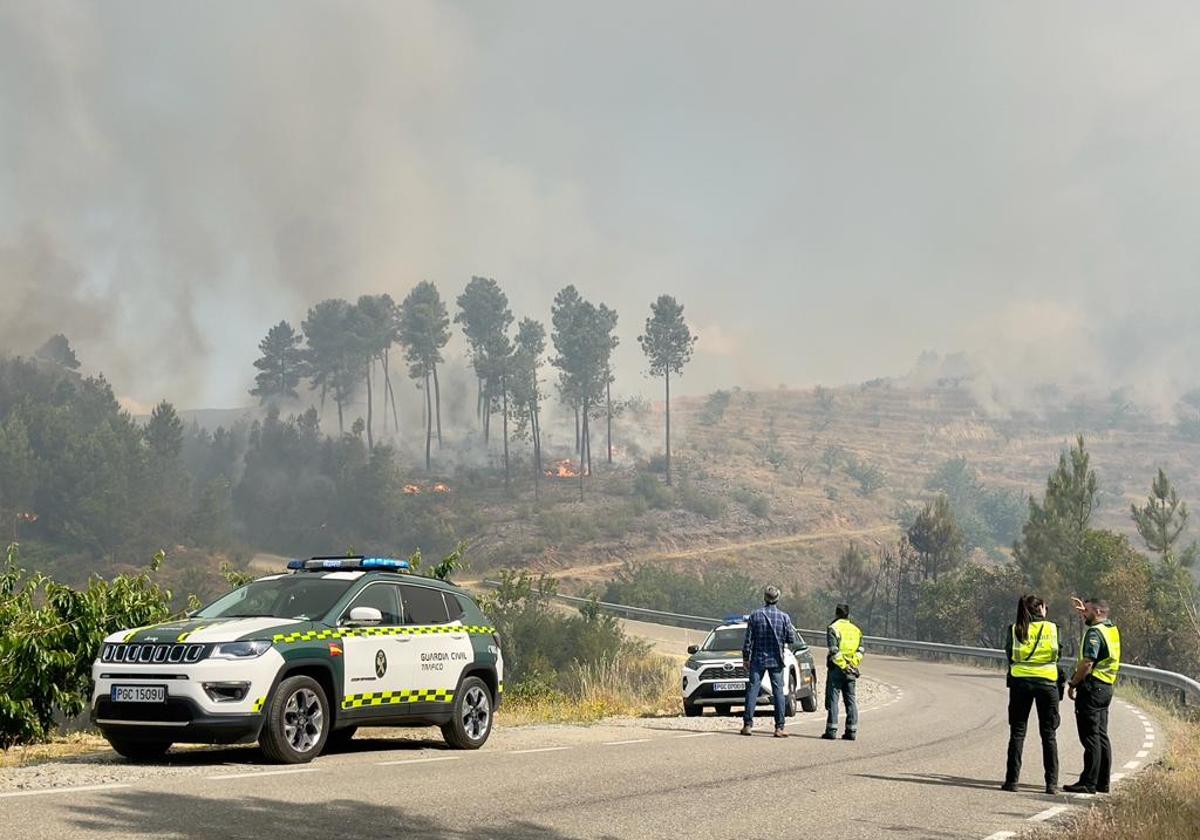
column 725, row 638
column 301, row 597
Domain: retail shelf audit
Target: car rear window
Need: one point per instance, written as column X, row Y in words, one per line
column 423, row 605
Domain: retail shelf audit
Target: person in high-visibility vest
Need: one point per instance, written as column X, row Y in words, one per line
column 1091, row 687
column 1034, row 648
column 844, row 640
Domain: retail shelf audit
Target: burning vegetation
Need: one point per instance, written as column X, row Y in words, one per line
column 562, row 469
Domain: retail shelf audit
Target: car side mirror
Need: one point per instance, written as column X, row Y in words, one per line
column 365, row 615
column 693, row 648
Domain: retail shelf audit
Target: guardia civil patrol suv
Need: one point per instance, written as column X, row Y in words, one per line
column 299, row 661
column 713, row 675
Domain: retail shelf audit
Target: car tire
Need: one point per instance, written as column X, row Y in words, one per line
column 809, row 701
column 298, row 722
column 339, row 739
column 138, row 749
column 789, row 703
column 692, row 710
column 471, row 723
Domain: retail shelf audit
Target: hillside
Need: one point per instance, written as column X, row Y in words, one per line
column 798, row 452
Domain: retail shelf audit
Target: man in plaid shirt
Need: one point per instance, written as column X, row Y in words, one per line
column 767, row 631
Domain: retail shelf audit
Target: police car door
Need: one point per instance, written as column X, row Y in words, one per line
column 374, row 654
column 442, row 648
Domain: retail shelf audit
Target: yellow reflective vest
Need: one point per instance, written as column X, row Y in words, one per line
column 1037, row 656
column 849, row 653
column 1105, row 669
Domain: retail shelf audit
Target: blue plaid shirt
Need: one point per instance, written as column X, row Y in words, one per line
column 767, row 631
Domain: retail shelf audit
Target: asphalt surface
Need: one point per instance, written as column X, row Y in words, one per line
column 927, row 765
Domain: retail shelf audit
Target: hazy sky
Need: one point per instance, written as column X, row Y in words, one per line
column 828, row 188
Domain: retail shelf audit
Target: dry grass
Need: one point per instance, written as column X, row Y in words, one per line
column 1161, row 802
column 628, row 686
column 65, row 746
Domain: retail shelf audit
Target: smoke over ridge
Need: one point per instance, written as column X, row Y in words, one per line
column 828, row 192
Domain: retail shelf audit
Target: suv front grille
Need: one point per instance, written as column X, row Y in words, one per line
column 153, row 654
column 720, row 672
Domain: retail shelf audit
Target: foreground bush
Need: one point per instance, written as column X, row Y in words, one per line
column 49, row 636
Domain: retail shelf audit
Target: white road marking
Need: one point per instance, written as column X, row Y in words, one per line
column 696, row 735
column 1142, row 753
column 257, row 773
column 44, row 791
column 1116, row 777
column 417, row 760
column 630, row 741
column 1149, row 736
column 1049, row 813
column 1132, row 765
column 1001, row 835
column 1149, row 745
column 539, row 750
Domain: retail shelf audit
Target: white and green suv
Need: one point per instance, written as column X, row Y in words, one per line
column 713, row 675
column 300, row 660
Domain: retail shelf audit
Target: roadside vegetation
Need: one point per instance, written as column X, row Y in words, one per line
column 562, row 665
column 1161, row 801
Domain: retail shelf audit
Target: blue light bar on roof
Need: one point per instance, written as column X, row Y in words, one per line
column 385, row 563
column 733, row 619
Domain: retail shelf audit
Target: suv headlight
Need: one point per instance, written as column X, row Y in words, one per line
column 692, row 665
column 241, row 650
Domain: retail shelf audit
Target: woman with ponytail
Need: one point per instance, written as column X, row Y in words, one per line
column 1033, row 649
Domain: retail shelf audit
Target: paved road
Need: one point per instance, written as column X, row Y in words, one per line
column 927, row 765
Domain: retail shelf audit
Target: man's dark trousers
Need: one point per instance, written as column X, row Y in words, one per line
column 1022, row 695
column 1092, row 699
column 777, row 689
column 836, row 682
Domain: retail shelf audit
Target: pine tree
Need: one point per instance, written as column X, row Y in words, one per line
column 1162, row 520
column 668, row 345
column 281, row 366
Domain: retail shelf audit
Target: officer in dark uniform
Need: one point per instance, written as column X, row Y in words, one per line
column 1091, row 687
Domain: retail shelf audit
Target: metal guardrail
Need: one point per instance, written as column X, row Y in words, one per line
column 1185, row 688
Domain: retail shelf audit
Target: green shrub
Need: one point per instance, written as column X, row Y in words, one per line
column 49, row 636
column 689, row 497
column 656, row 494
column 758, row 504
column 541, row 643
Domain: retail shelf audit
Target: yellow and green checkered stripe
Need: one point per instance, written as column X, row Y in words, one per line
column 392, row 698
column 355, row 632
column 258, row 704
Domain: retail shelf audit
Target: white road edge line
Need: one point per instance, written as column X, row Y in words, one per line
column 258, row 773
column 1142, row 753
column 1132, row 765
column 1149, row 745
column 630, row 741
column 1116, row 777
column 696, row 735
column 417, row 760
column 539, row 750
column 1049, row 813
column 44, row 791
column 1001, row 835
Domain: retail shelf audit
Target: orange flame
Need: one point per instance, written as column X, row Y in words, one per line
column 411, row 489
column 440, row 488
column 562, row 469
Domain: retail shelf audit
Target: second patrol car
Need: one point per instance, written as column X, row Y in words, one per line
column 299, row 661
column 713, row 675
